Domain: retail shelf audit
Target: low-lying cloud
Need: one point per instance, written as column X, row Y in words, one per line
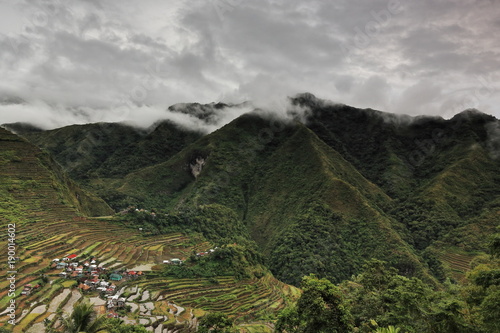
column 87, row 61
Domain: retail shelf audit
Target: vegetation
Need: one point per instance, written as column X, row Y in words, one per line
column 320, row 309
column 84, row 319
column 216, row 222
column 380, row 300
column 216, row 323
column 230, row 260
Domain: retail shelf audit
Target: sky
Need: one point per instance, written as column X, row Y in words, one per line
column 68, row 61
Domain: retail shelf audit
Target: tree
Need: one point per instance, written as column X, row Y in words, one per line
column 320, row 309
column 215, row 323
column 84, row 319
column 390, row 329
column 490, row 310
column 495, row 246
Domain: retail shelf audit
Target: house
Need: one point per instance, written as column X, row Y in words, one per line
column 115, row 277
column 176, row 261
column 63, row 274
column 83, row 287
column 71, row 256
column 121, row 302
column 112, row 314
column 115, row 302
column 61, row 265
column 27, row 289
column 55, row 260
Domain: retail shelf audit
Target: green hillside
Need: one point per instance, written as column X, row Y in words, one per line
column 97, row 154
column 269, row 187
column 324, row 196
column 51, row 217
column 34, row 183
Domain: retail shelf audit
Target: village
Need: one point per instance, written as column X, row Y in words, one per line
column 90, row 276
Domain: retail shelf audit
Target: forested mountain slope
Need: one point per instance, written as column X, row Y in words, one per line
column 318, row 194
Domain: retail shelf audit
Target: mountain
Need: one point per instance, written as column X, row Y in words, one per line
column 319, row 194
column 444, row 172
column 51, row 217
column 96, row 154
column 33, row 184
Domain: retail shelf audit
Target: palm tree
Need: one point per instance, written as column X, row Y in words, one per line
column 84, row 319
column 390, row 329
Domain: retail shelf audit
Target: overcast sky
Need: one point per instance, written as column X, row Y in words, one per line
column 67, row 61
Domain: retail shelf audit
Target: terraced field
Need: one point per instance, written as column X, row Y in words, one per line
column 49, row 217
column 456, row 262
column 245, row 300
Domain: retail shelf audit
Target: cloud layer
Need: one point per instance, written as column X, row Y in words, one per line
column 65, row 62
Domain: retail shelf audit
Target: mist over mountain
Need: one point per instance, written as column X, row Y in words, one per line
column 411, row 183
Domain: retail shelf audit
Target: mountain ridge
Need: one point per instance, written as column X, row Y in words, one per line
column 363, row 168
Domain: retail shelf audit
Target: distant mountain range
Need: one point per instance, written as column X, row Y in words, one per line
column 320, row 192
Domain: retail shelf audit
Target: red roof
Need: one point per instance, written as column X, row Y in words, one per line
column 72, row 256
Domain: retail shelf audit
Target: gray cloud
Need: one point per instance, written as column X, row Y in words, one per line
column 131, row 60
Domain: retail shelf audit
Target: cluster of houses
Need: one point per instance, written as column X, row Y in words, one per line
column 100, row 285
column 71, row 268
column 28, row 289
column 174, row 261
column 113, row 303
column 177, row 261
column 87, row 273
column 132, row 209
column 206, row 253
